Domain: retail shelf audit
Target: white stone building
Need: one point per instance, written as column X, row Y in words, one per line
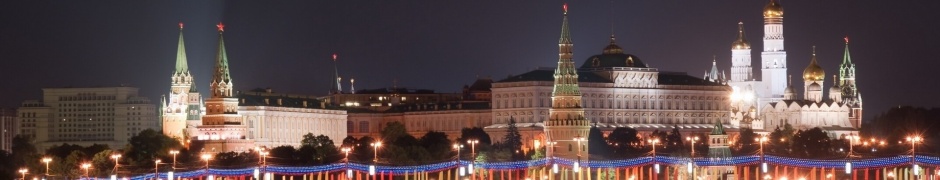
column 283, row 119
column 770, row 102
column 616, row 90
column 86, row 116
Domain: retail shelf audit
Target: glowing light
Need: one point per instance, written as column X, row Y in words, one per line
column 220, row 26
column 334, row 56
column 181, row 24
column 763, row 167
column 848, row 168
column 371, row 170
column 576, row 167
column 555, row 168
column 565, row 7
column 656, row 166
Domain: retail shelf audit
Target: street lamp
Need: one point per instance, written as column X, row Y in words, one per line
column 24, row 171
column 346, row 151
column 914, row 140
column 692, row 140
column 47, row 160
column 457, row 147
column 655, row 165
column 116, row 157
column 375, row 151
column 578, row 163
column 550, row 149
column 156, row 168
column 206, row 158
column 85, row 167
column 761, row 140
column 174, row 153
column 473, row 151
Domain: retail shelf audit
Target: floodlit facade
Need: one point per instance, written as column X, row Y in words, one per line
column 86, row 116
column 611, row 89
column 275, row 119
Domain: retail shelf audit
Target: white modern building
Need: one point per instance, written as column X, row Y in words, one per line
column 86, row 116
column 8, row 128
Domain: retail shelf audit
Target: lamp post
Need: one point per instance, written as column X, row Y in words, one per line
column 654, row 141
column 85, row 167
column 174, row 153
column 761, row 140
column 550, row 149
column 914, row 140
column 23, row 171
column 156, row 168
column 692, row 141
column 578, row 163
column 116, row 157
column 473, row 156
column 346, row 151
column 47, row 160
column 206, row 158
column 375, row 151
column 457, row 146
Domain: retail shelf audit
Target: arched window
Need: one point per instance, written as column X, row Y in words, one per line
column 363, row 126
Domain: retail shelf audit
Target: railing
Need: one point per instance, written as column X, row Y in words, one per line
column 902, row 160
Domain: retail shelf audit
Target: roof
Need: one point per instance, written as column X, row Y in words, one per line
column 482, row 84
column 718, row 129
column 424, row 107
column 395, row 91
column 254, row 98
column 613, row 60
column 677, row 78
column 544, row 74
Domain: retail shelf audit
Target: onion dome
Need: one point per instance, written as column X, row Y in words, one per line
column 789, row 90
column 613, row 48
column 741, row 42
column 814, row 87
column 813, row 72
column 773, row 10
column 835, row 85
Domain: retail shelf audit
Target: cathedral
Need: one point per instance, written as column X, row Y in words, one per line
column 772, row 101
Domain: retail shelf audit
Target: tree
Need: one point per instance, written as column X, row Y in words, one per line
column 362, row 151
column 393, row 130
column 438, row 146
column 326, row 151
column 623, row 140
column 282, row 155
column 148, row 144
column 779, row 140
column 513, row 140
column 745, row 144
column 812, row 143
column 7, row 170
column 349, row 141
column 474, row 133
column 598, row 143
column 72, row 162
column 102, row 163
column 673, row 141
column 24, row 154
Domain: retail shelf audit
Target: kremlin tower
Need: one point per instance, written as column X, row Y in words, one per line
column 566, row 124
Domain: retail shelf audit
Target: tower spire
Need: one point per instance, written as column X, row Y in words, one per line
column 181, row 63
column 338, row 89
column 221, row 78
column 566, row 117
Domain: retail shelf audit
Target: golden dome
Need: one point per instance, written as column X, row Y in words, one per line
column 773, row 10
column 613, row 48
column 813, row 72
column 741, row 42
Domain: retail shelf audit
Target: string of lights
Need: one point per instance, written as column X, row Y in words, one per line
column 902, row 160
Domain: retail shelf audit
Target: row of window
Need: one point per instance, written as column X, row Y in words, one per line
column 86, row 97
column 616, row 104
column 363, row 126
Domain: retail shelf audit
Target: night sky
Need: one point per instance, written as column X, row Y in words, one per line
column 442, row 45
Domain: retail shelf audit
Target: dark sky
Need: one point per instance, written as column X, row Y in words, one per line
column 443, row 45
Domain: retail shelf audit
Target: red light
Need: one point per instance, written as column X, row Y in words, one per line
column 181, row 25
column 565, row 7
column 334, row 57
column 846, row 39
column 220, row 26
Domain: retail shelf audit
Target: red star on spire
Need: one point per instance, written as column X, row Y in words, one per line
column 221, row 27
column 565, row 7
column 846, row 39
column 181, row 24
column 334, row 56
